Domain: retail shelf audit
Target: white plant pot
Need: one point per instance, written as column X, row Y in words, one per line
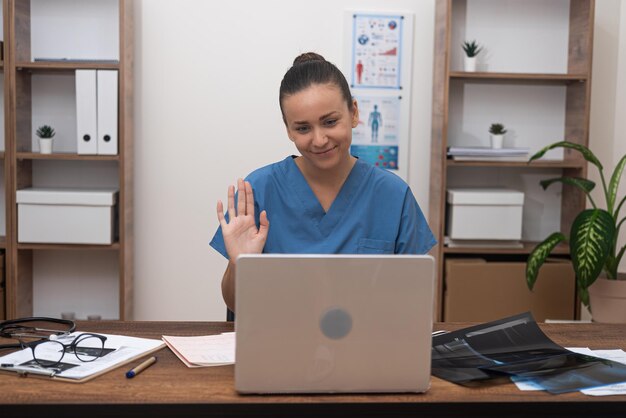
column 608, row 300
column 45, row 145
column 497, row 141
column 470, row 64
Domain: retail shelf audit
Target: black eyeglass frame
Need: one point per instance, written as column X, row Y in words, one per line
column 72, row 347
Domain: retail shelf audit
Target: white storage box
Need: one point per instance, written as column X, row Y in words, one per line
column 485, row 214
column 66, row 216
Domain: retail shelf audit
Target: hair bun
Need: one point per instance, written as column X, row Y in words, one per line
column 308, row 57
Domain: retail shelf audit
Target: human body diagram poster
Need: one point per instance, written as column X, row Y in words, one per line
column 378, row 67
column 376, row 137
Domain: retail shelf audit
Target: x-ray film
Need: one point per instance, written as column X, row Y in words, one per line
column 516, row 346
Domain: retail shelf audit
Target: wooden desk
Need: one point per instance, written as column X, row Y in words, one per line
column 171, row 389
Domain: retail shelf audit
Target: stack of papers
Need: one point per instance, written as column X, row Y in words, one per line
column 203, row 351
column 488, row 154
column 481, row 243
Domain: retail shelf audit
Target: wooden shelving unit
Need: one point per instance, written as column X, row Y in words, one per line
column 575, row 164
column 519, row 77
column 525, row 250
column 456, row 116
column 114, row 246
column 65, row 66
column 65, row 156
column 23, row 76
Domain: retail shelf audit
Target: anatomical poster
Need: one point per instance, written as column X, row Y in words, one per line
column 377, row 136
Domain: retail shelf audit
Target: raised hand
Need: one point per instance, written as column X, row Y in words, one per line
column 241, row 235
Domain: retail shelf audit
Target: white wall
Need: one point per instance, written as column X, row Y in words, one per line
column 619, row 137
column 608, row 98
column 206, row 112
column 607, row 124
column 207, row 77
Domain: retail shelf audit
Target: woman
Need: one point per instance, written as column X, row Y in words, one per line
column 324, row 201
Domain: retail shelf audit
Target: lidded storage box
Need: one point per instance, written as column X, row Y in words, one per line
column 66, row 216
column 485, row 214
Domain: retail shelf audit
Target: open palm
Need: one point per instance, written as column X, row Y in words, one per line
column 241, row 235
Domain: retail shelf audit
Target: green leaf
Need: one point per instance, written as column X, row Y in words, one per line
column 614, row 183
column 497, row 129
column 586, row 152
column 471, row 48
column 45, row 131
column 584, row 184
column 538, row 256
column 583, row 294
column 591, row 240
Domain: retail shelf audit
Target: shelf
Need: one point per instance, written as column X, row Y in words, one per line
column 25, row 246
column 542, row 92
column 520, row 164
column 67, row 66
column 65, row 36
column 519, row 77
column 561, row 249
column 65, row 156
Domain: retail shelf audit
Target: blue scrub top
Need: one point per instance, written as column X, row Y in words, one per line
column 374, row 213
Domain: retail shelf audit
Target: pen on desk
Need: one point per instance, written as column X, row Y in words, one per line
column 141, row 367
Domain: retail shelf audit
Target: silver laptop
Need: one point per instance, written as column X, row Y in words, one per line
column 333, row 323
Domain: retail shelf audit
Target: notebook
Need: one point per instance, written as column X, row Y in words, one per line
column 333, row 323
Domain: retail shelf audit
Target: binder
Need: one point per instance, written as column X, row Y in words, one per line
column 107, row 112
column 86, row 116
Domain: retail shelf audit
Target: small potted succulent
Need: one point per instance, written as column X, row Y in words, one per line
column 497, row 132
column 471, row 49
column 593, row 241
column 46, row 134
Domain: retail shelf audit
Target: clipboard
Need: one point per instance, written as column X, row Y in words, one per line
column 124, row 350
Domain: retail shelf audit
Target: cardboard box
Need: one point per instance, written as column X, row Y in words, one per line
column 476, row 290
column 2, row 304
column 66, row 216
column 2, row 288
column 484, row 214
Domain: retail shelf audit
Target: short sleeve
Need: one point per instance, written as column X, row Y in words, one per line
column 414, row 235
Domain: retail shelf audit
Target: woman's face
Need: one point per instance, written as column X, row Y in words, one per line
column 320, row 125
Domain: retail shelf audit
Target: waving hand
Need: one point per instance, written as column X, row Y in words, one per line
column 241, row 235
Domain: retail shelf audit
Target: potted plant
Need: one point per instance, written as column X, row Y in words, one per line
column 497, row 132
column 592, row 241
column 45, row 134
column 471, row 49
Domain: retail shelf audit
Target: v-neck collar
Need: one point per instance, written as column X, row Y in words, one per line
column 325, row 221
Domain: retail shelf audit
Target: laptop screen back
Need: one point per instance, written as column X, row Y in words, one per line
column 333, row 323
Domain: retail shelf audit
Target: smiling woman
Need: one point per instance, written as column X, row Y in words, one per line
column 320, row 125
column 325, row 201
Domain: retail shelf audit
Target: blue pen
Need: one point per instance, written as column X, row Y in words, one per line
column 141, row 367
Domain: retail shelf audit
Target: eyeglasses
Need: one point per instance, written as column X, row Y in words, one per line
column 49, row 353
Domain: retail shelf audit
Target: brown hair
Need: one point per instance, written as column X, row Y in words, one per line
column 308, row 69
